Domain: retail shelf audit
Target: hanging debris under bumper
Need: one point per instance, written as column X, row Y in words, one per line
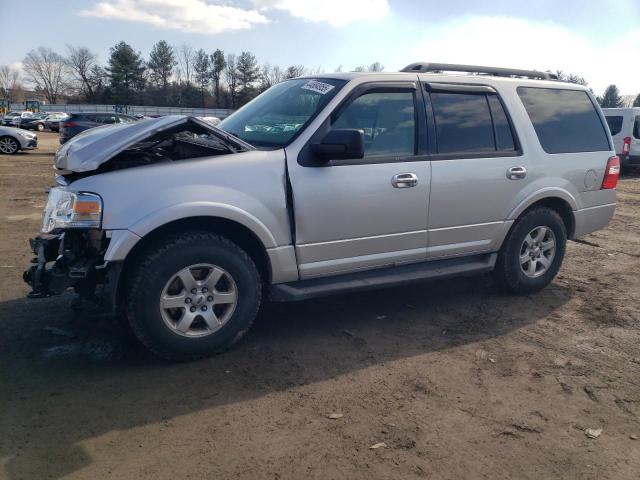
column 69, row 259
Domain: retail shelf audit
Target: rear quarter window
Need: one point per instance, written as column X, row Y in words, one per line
column 566, row 121
column 615, row 124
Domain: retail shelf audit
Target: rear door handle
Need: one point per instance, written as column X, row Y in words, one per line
column 516, row 173
column 404, row 180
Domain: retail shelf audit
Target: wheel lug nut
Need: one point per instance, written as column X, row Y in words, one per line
column 187, row 300
column 194, row 291
column 204, row 308
column 192, row 309
column 209, row 298
column 205, row 289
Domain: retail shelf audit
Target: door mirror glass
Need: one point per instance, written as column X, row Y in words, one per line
column 341, row 144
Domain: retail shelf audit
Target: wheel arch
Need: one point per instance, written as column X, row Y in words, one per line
column 238, row 233
column 558, row 200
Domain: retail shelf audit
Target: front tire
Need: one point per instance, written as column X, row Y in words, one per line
column 193, row 295
column 9, row 145
column 40, row 127
column 533, row 251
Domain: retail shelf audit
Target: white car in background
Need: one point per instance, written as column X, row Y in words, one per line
column 13, row 139
column 624, row 124
column 12, row 119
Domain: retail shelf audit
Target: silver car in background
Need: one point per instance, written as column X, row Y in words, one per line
column 12, row 140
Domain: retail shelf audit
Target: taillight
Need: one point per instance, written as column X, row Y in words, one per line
column 611, row 173
column 626, row 145
column 69, row 124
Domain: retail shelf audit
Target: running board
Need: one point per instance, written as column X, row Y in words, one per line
column 382, row 277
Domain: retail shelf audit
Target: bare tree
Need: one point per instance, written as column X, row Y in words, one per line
column 81, row 62
column 270, row 76
column 231, row 77
column 9, row 81
column 186, row 57
column 46, row 69
column 375, row 67
column 294, row 71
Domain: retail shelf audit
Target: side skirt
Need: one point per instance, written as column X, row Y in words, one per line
column 382, row 277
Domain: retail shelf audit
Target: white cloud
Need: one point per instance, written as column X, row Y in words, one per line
column 337, row 13
column 518, row 43
column 195, row 16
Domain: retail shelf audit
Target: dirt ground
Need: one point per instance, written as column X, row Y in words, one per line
column 458, row 379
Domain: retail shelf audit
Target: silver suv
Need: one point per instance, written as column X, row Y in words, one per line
column 325, row 185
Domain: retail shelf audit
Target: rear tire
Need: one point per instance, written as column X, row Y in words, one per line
column 193, row 295
column 40, row 127
column 533, row 251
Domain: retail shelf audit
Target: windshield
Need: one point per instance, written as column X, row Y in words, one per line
column 274, row 118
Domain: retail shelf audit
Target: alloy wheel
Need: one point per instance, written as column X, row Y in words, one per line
column 198, row 300
column 537, row 251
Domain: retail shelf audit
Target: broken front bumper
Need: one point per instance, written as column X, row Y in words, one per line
column 73, row 259
column 58, row 265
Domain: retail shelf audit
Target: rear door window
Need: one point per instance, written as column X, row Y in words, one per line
column 463, row 123
column 469, row 123
column 636, row 128
column 566, row 121
column 615, row 124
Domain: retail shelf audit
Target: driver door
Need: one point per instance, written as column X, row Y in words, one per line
column 370, row 212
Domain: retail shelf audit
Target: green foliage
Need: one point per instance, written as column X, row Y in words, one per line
column 611, row 98
column 248, row 73
column 126, row 73
column 161, row 62
column 218, row 64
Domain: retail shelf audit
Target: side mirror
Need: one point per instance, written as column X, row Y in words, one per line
column 340, row 145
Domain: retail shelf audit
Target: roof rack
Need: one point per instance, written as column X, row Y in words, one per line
column 423, row 67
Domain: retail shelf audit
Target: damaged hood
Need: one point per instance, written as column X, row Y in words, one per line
column 91, row 148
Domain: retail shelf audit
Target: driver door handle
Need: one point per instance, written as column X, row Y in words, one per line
column 516, row 173
column 404, row 180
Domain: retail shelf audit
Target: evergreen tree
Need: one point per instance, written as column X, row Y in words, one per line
column 218, row 64
column 161, row 62
column 126, row 73
column 248, row 73
column 201, row 69
column 611, row 98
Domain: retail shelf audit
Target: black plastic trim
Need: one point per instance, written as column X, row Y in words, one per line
column 382, row 277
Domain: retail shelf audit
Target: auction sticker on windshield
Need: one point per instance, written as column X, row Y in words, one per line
column 318, row 87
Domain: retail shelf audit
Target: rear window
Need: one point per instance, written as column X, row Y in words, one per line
column 566, row 121
column 615, row 124
column 470, row 123
column 636, row 128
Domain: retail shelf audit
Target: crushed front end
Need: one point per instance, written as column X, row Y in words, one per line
column 69, row 252
column 64, row 260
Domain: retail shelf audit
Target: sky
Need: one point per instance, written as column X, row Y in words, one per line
column 598, row 39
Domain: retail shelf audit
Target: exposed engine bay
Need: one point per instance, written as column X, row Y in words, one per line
column 189, row 138
column 170, row 146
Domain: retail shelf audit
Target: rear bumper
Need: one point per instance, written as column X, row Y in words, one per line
column 591, row 219
column 630, row 160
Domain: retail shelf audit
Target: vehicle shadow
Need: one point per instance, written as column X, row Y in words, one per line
column 58, row 392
